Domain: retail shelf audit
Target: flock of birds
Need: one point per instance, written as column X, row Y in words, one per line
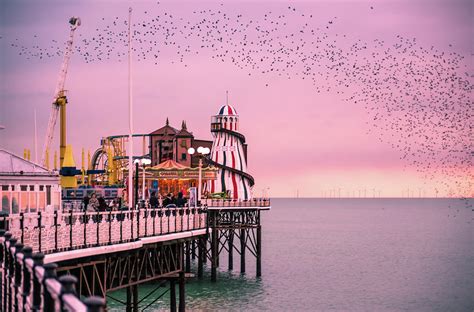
column 418, row 99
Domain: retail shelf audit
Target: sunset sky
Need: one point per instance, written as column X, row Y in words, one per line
column 298, row 139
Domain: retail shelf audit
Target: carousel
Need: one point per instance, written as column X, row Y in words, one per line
column 172, row 177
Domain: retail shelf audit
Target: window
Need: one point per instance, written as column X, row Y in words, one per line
column 4, row 187
column 32, row 187
column 13, row 187
column 23, row 188
column 41, row 188
column 48, row 194
column 183, row 156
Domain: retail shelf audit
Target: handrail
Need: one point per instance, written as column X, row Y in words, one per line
column 32, row 285
column 61, row 231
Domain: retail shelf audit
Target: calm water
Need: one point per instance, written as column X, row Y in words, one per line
column 348, row 255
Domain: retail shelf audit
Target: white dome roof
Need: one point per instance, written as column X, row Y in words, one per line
column 227, row 110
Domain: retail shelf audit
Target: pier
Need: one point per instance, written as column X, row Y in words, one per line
column 71, row 260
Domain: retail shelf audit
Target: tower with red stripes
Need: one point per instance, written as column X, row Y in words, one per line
column 228, row 155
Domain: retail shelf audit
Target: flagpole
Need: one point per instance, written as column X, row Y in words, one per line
column 130, row 113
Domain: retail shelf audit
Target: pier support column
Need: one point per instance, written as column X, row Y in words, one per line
column 231, row 249
column 135, row 298
column 201, row 256
column 193, row 247
column 182, row 294
column 214, row 254
column 242, row 250
column 172, row 295
column 188, row 257
column 129, row 299
column 259, row 250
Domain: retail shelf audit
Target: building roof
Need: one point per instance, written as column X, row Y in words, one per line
column 227, row 110
column 184, row 133
column 166, row 130
column 169, row 165
column 13, row 164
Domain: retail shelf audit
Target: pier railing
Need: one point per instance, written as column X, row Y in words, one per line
column 234, row 203
column 29, row 285
column 64, row 231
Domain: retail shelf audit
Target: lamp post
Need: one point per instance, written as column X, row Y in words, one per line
column 201, row 151
column 144, row 162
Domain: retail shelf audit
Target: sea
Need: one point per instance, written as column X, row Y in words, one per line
column 344, row 255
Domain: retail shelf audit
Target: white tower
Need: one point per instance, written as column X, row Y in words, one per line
column 228, row 155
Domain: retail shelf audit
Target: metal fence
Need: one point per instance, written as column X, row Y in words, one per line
column 63, row 231
column 30, row 285
column 234, row 203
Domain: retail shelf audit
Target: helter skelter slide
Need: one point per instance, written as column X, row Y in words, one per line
column 228, row 155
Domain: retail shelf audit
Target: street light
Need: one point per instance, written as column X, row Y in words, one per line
column 202, row 151
column 144, row 162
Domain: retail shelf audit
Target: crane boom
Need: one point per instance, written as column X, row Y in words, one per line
column 59, row 97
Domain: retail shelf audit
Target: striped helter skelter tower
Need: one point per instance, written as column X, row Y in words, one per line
column 228, row 155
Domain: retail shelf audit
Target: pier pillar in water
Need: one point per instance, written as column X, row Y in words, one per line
column 242, row 250
column 188, row 257
column 259, row 250
column 135, row 298
column 201, row 256
column 214, row 254
column 231, row 249
column 172, row 295
column 193, row 248
column 182, row 294
column 129, row 299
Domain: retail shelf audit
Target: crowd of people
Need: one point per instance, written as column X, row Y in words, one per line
column 96, row 203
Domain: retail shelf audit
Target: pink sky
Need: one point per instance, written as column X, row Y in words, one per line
column 298, row 138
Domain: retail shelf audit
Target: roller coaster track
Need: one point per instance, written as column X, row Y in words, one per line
column 216, row 164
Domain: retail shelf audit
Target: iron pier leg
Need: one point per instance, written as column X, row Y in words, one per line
column 193, row 247
column 172, row 296
column 259, row 250
column 242, row 250
column 204, row 242
column 214, row 254
column 188, row 257
column 129, row 299
column 182, row 298
column 135, row 297
column 201, row 256
column 231, row 249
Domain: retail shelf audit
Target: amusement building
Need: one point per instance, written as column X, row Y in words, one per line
column 169, row 160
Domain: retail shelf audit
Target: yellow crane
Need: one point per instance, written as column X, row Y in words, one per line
column 59, row 107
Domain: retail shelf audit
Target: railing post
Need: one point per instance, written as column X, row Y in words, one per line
column 146, row 221
column 26, row 280
column 110, row 227
column 68, row 286
column 38, row 259
column 40, row 226
column 94, row 304
column 138, row 222
column 11, row 274
column 99, row 220
column 5, row 266
column 122, row 215
column 85, row 221
column 17, row 276
column 70, row 229
column 49, row 272
column 55, row 230
column 131, row 225
column 2, row 271
column 22, row 226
